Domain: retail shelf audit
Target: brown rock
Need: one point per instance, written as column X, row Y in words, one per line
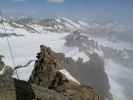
column 46, row 74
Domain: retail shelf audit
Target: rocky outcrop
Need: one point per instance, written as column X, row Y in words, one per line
column 47, row 82
column 47, row 74
column 45, row 67
column 90, row 73
column 1, row 62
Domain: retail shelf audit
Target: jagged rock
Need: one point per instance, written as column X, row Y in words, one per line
column 16, row 90
column 7, row 90
column 45, row 67
column 6, row 73
column 90, row 73
column 46, row 74
column 1, row 62
column 42, row 93
column 46, row 83
column 21, row 90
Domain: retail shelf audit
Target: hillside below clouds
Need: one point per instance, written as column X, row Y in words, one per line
column 96, row 53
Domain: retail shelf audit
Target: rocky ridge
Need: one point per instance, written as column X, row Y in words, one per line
column 47, row 82
column 47, row 73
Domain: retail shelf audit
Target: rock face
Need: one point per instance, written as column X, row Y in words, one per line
column 1, row 62
column 47, row 74
column 47, row 82
column 7, row 89
column 90, row 73
column 45, row 67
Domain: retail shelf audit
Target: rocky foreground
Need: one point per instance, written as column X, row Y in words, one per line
column 47, row 82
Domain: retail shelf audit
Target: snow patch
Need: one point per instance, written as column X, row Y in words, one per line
column 75, row 53
column 24, row 73
column 2, row 71
column 58, row 20
column 76, row 25
column 69, row 76
column 84, row 24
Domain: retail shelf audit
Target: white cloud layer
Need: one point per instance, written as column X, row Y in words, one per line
column 56, row 1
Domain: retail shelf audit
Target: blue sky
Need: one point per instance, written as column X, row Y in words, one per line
column 121, row 10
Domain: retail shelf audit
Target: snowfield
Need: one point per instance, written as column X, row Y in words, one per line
column 25, row 49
